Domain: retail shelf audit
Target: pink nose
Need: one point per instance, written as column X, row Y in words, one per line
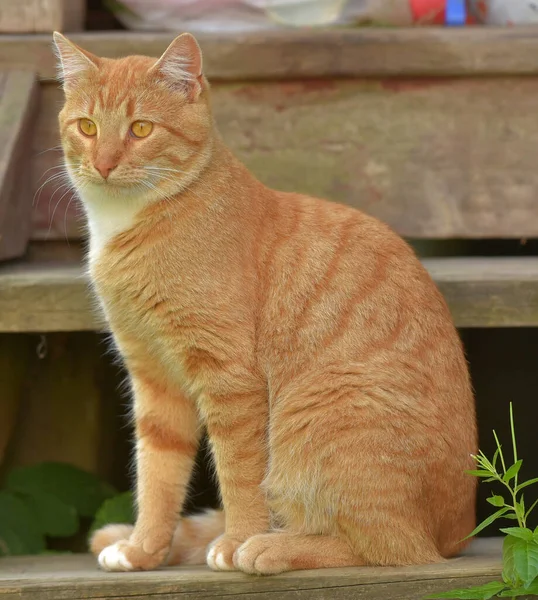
column 105, row 166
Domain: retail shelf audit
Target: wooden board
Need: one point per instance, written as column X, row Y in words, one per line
column 481, row 292
column 45, row 298
column 18, row 106
column 296, row 54
column 31, row 16
column 76, row 578
column 445, row 158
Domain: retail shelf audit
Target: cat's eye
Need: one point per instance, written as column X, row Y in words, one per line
column 87, row 127
column 141, row 129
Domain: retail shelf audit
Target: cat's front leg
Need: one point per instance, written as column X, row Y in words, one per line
column 237, row 428
column 167, row 435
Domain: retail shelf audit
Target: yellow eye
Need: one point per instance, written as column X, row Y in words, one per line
column 141, row 129
column 87, row 127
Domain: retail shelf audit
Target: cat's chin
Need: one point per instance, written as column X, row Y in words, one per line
column 92, row 191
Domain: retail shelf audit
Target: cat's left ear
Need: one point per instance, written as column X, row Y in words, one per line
column 181, row 65
column 74, row 63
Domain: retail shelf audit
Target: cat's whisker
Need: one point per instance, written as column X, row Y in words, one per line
column 70, row 189
column 154, row 168
column 65, row 219
column 52, row 178
column 168, row 178
column 53, row 149
column 62, row 166
column 58, row 189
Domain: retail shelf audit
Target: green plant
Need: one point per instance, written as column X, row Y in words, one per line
column 46, row 501
column 118, row 509
column 520, row 546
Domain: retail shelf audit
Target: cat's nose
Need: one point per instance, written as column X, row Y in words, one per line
column 105, row 166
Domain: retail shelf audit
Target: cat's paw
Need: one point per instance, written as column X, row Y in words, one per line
column 220, row 553
column 109, row 535
column 123, row 556
column 261, row 555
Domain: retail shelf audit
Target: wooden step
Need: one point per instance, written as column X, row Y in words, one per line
column 308, row 53
column 481, row 292
column 18, row 111
column 76, row 578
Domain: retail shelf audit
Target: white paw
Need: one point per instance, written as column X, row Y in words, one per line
column 113, row 559
column 215, row 561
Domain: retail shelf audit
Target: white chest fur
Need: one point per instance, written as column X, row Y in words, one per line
column 108, row 215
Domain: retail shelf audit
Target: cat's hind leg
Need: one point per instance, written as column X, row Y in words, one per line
column 271, row 553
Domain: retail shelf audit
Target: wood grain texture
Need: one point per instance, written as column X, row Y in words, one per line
column 45, row 298
column 18, row 108
column 76, row 577
column 36, row 16
column 14, row 351
column 293, row 54
column 444, row 158
column 63, row 402
column 481, row 292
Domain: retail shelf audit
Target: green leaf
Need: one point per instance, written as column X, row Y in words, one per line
column 512, row 471
column 496, row 500
column 520, row 508
column 19, row 528
column 532, row 590
column 495, row 457
column 56, row 519
column 509, row 573
column 518, row 532
column 11, row 543
column 488, row 521
column 526, row 483
column 479, row 473
column 483, row 461
column 72, row 486
column 119, row 509
column 526, row 561
column 481, row 592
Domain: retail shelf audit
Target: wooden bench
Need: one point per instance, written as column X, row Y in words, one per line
column 77, row 578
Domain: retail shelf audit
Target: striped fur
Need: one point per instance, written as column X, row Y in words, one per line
column 304, row 335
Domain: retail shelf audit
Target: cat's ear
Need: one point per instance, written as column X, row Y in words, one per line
column 74, row 63
column 181, row 65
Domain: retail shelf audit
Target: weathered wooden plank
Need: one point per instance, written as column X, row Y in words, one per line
column 31, row 16
column 45, row 298
column 481, row 292
column 18, row 105
column 46, row 374
column 488, row 292
column 433, row 158
column 296, row 54
column 76, row 577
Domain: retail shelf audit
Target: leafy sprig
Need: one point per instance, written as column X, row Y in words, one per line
column 520, row 546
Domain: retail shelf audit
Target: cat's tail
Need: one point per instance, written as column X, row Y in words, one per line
column 191, row 538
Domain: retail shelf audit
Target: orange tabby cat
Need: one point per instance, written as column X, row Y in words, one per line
column 304, row 335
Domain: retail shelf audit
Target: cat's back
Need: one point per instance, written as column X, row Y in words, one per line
column 341, row 287
column 320, row 247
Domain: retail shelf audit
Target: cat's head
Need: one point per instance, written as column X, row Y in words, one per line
column 136, row 127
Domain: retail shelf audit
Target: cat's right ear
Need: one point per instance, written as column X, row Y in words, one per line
column 74, row 63
column 181, row 65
